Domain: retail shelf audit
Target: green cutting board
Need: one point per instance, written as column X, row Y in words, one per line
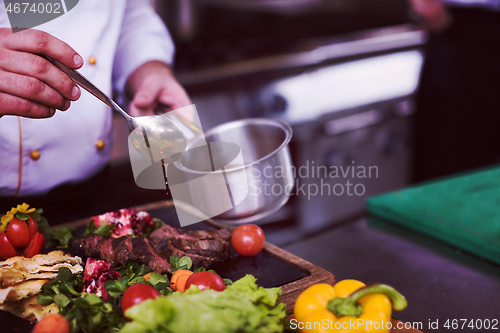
column 463, row 211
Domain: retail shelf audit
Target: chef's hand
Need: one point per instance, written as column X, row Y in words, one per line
column 30, row 86
column 433, row 15
column 154, row 88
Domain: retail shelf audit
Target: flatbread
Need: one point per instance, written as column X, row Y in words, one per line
column 29, row 308
column 21, row 279
column 47, row 260
column 21, row 290
column 16, row 270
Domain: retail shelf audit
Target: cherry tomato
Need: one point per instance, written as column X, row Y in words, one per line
column 18, row 233
column 52, row 323
column 137, row 293
column 248, row 240
column 206, row 279
column 32, row 226
column 6, row 249
column 36, row 245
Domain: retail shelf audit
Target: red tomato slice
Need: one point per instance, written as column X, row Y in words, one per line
column 32, row 226
column 18, row 233
column 36, row 245
column 6, row 249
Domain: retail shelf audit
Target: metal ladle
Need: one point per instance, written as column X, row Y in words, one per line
column 155, row 137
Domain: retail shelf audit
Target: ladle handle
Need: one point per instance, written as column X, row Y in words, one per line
column 87, row 85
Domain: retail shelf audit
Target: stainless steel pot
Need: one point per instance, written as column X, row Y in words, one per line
column 243, row 172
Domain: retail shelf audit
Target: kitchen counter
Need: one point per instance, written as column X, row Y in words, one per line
column 439, row 281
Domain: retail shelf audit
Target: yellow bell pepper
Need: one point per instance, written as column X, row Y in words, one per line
column 348, row 307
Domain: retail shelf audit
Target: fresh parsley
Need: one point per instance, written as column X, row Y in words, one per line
column 103, row 230
column 59, row 237
column 90, row 313
column 180, row 263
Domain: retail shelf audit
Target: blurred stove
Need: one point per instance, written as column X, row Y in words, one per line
column 347, row 92
column 210, row 33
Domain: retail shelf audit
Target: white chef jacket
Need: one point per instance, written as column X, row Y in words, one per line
column 39, row 154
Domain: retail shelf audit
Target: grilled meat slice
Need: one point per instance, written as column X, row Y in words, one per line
column 93, row 246
column 144, row 252
column 166, row 249
column 169, row 232
column 214, row 248
column 213, row 244
column 123, row 250
column 204, row 247
column 119, row 251
column 105, row 250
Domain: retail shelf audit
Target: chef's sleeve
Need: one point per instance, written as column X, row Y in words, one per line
column 143, row 38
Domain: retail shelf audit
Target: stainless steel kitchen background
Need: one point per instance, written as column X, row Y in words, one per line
column 342, row 73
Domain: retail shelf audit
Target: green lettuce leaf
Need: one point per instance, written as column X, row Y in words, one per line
column 242, row 307
column 59, row 236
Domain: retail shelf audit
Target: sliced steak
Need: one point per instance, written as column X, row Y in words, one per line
column 201, row 245
column 93, row 246
column 119, row 251
column 104, row 250
column 146, row 255
column 166, row 249
column 123, row 250
column 214, row 248
column 204, row 247
column 169, row 232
